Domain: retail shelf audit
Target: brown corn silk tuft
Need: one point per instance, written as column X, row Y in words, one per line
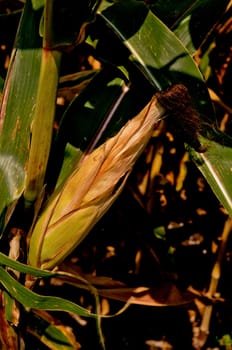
column 184, row 120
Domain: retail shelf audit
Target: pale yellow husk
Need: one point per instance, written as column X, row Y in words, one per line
column 90, row 190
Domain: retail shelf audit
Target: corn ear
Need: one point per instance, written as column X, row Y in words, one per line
column 90, row 190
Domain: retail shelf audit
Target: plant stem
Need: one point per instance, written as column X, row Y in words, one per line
column 48, row 25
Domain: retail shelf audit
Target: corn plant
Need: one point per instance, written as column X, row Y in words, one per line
column 70, row 139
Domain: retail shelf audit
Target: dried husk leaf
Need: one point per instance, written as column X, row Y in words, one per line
column 90, row 190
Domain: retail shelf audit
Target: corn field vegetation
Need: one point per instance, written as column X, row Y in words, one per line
column 115, row 174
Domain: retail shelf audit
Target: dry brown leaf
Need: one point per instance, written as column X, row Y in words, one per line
column 166, row 294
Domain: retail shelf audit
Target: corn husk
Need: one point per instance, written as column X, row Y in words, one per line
column 90, row 190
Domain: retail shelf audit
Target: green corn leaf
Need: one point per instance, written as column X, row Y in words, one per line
column 15, row 265
column 156, row 50
column 33, row 300
column 21, row 110
column 42, row 127
column 44, row 111
column 163, row 59
column 18, row 103
column 5, row 261
column 216, row 165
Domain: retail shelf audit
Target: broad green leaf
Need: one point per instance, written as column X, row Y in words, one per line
column 54, row 14
column 18, row 103
column 163, row 59
column 156, row 50
column 43, row 121
column 44, row 111
column 35, row 272
column 216, row 166
column 171, row 12
column 15, row 265
column 33, row 300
